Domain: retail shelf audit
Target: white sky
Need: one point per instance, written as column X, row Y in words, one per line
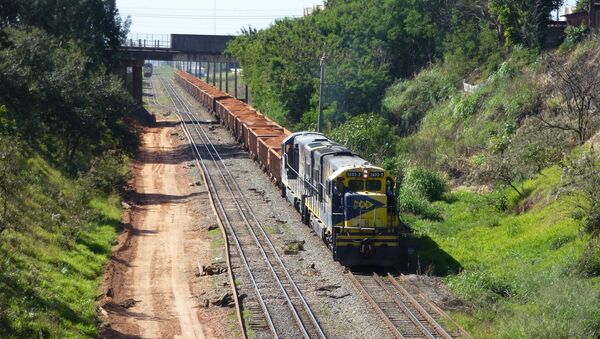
column 210, row 16
column 198, row 16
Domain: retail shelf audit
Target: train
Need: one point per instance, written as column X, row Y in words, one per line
column 347, row 201
column 148, row 67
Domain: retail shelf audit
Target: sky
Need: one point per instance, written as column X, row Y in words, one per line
column 198, row 16
column 210, row 16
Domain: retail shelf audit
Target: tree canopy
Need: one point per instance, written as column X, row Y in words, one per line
column 371, row 44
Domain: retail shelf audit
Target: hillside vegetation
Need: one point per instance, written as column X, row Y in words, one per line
column 499, row 184
column 65, row 139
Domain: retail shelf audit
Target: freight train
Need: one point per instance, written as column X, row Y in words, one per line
column 348, row 202
column 148, row 67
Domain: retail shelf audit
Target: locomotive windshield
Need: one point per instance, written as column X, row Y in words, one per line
column 355, row 185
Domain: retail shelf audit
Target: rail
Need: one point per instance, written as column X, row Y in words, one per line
column 396, row 307
column 303, row 316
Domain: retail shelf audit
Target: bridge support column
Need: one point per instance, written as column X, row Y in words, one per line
column 136, row 71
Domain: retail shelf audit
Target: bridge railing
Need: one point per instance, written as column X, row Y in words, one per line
column 142, row 40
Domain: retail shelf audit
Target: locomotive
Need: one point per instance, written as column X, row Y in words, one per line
column 348, row 202
column 148, row 67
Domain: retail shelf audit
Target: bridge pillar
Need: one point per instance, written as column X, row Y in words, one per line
column 136, row 71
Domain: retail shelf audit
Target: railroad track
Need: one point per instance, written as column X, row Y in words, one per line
column 285, row 312
column 403, row 314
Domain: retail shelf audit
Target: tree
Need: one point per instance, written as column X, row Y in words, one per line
column 581, row 176
column 575, row 91
column 368, row 135
column 95, row 24
column 515, row 155
column 59, row 105
column 10, row 166
column 523, row 21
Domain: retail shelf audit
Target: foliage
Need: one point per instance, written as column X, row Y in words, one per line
column 59, row 105
column 473, row 42
column 368, row 135
column 425, row 183
column 407, row 101
column 516, row 275
column 577, row 89
column 64, row 137
column 588, row 265
column 576, row 34
column 523, row 21
column 11, row 166
column 581, row 176
column 515, row 155
column 95, row 25
column 368, row 43
column 53, row 251
column 582, row 5
column 418, row 188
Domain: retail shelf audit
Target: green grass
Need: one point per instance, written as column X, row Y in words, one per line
column 217, row 245
column 51, row 269
column 513, row 261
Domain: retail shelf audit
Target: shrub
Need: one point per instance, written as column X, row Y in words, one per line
column 588, row 265
column 409, row 100
column 576, row 34
column 581, row 176
column 369, row 135
column 424, row 183
column 109, row 173
column 418, row 189
column 413, row 203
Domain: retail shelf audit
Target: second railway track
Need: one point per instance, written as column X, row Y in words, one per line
column 399, row 309
column 285, row 310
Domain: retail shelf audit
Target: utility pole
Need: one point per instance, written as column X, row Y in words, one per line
column 321, row 83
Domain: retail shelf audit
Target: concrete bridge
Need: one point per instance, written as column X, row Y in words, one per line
column 187, row 51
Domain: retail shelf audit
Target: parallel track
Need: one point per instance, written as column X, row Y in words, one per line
column 271, row 281
column 399, row 310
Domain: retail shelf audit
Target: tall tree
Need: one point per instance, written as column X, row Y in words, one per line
column 523, row 21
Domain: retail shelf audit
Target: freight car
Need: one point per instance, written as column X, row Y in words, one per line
column 348, row 202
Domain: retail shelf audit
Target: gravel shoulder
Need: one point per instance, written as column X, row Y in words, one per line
column 152, row 287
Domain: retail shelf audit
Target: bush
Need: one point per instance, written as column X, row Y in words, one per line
column 409, row 100
column 581, row 177
column 588, row 265
column 418, row 189
column 109, row 173
column 424, row 183
column 576, row 34
column 368, row 135
column 418, row 205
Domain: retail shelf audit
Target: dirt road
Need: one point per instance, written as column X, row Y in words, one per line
column 151, row 277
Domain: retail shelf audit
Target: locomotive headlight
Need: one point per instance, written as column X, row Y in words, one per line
column 365, row 174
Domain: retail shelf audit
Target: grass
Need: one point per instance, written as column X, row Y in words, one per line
column 217, row 245
column 51, row 268
column 515, row 264
column 272, row 229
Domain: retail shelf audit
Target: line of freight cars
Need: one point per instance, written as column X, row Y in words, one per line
column 348, row 202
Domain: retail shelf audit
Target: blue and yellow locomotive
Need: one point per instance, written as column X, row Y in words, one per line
column 348, row 202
